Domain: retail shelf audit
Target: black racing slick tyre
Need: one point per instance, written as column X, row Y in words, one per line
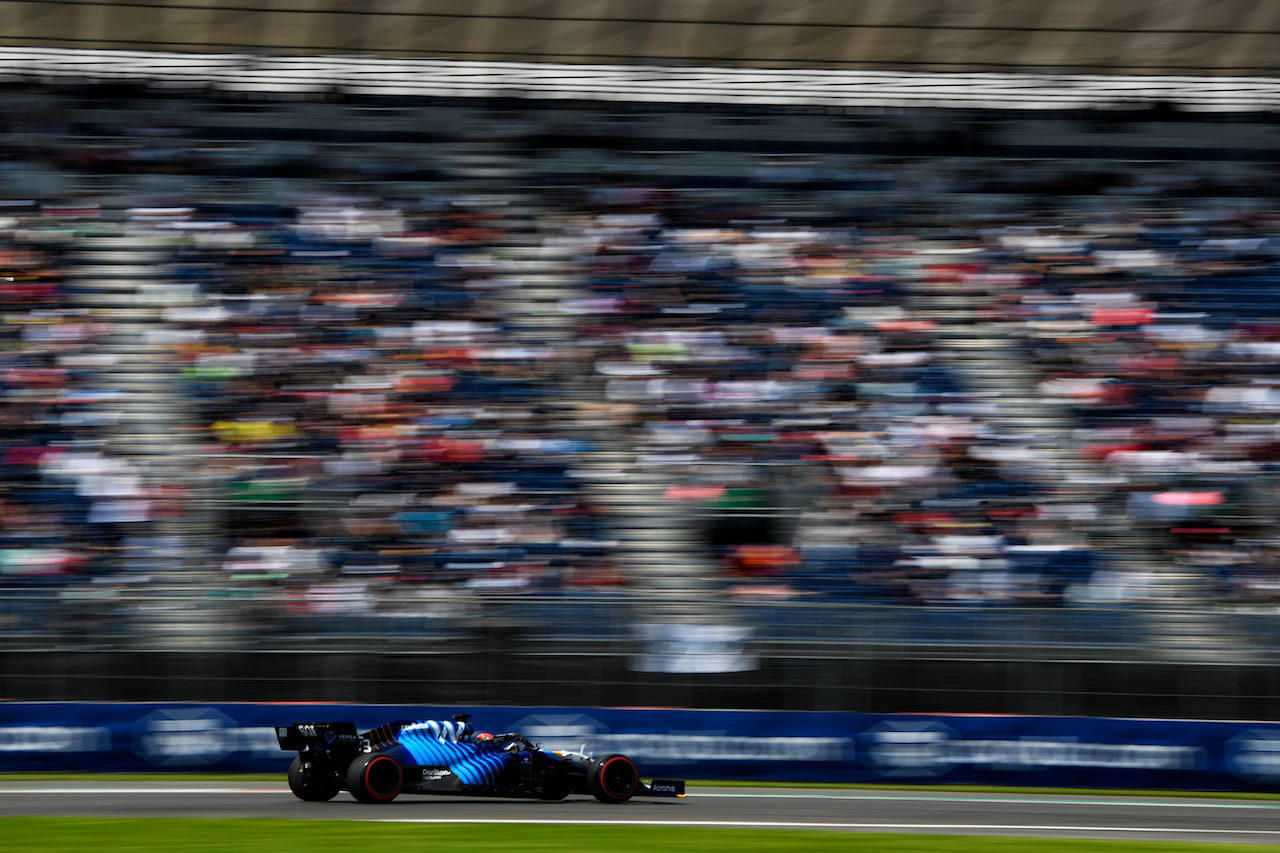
column 375, row 778
column 312, row 788
column 613, row 779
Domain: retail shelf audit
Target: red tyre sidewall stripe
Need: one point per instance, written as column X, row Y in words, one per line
column 368, row 767
column 635, row 776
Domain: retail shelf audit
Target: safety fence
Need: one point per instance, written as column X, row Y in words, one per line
column 798, row 746
column 628, row 652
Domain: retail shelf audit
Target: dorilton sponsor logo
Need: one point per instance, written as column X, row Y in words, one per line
column 54, row 739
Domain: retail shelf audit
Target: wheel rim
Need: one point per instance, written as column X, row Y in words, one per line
column 382, row 778
column 618, row 777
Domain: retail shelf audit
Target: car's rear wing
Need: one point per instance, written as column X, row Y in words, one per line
column 317, row 735
column 662, row 788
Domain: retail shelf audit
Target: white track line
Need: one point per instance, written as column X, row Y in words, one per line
column 1010, row 800
column 886, row 827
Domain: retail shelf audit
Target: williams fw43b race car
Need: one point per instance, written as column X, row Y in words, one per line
column 449, row 757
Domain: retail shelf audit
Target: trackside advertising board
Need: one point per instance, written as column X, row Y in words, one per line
column 691, row 744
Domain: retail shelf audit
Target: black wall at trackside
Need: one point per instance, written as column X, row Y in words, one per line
column 884, row 685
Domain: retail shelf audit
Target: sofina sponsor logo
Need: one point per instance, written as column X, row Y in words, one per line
column 574, row 731
column 1254, row 755
column 693, row 747
column 194, row 737
column 927, row 748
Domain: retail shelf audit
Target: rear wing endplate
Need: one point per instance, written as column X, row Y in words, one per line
column 298, row 735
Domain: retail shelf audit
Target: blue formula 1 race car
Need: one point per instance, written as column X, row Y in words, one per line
column 449, row 757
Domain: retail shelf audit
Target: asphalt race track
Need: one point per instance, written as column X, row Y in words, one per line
column 1083, row 816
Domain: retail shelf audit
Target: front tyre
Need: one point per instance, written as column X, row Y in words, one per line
column 613, row 779
column 313, row 788
column 375, row 778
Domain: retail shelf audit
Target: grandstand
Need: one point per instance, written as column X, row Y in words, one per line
column 366, row 343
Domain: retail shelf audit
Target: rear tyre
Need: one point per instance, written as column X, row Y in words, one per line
column 375, row 778
column 312, row 787
column 613, row 779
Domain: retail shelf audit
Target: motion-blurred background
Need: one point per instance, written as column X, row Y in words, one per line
column 893, row 356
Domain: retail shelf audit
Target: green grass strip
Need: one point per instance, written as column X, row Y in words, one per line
column 118, row 835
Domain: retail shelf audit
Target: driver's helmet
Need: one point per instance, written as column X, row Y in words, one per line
column 484, row 737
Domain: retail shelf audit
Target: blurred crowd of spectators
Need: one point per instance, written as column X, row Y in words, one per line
column 367, row 418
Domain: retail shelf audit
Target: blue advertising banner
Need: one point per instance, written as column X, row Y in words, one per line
column 692, row 744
